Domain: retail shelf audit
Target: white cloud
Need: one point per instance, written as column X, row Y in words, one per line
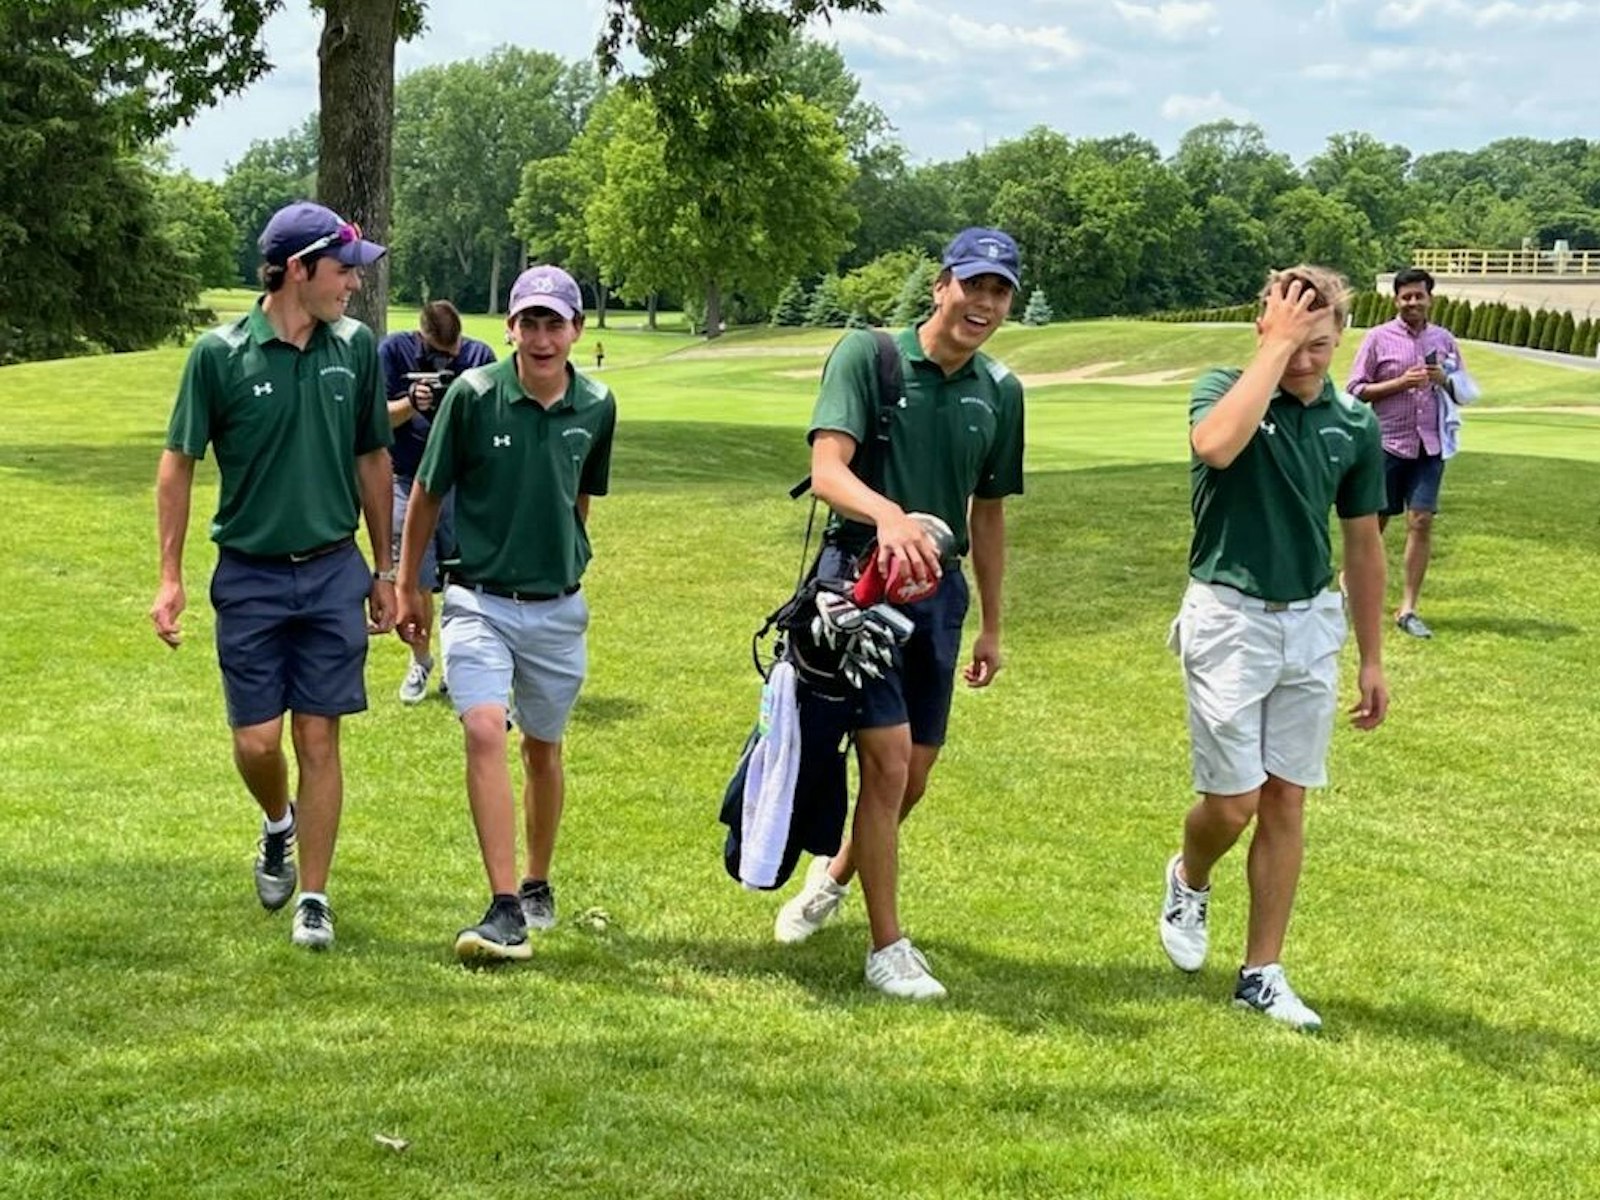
column 1399, row 60
column 1410, row 14
column 1175, row 20
column 1194, row 109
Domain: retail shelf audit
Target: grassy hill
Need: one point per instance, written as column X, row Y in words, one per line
column 163, row 1039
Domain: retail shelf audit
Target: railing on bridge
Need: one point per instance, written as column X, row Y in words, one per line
column 1568, row 263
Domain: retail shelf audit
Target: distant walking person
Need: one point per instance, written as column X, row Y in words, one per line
column 291, row 398
column 525, row 443
column 418, row 365
column 1275, row 446
column 1396, row 370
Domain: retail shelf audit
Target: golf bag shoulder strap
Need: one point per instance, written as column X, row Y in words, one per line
column 889, row 390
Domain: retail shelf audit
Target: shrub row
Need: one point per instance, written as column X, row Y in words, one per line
column 1507, row 324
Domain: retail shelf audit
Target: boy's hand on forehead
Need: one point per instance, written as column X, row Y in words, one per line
column 1288, row 314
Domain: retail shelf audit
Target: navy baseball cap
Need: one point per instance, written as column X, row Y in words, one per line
column 303, row 228
column 546, row 287
column 984, row 252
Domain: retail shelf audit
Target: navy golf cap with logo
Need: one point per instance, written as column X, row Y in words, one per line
column 984, row 252
column 304, row 228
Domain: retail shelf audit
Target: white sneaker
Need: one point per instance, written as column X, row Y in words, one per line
column 1183, row 920
column 1266, row 989
column 900, row 970
column 811, row 907
column 313, row 925
column 415, row 688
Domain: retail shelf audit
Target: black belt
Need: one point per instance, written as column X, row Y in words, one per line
column 489, row 589
column 304, row 556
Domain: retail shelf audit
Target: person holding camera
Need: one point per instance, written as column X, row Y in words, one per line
column 418, row 367
column 1396, row 370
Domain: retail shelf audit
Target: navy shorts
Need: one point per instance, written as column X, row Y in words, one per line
column 291, row 636
column 1413, row 483
column 917, row 688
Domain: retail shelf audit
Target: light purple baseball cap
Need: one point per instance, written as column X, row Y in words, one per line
column 546, row 287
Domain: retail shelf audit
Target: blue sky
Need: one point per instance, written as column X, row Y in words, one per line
column 954, row 76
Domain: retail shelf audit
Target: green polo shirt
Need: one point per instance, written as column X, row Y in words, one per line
column 288, row 425
column 950, row 437
column 518, row 469
column 1261, row 523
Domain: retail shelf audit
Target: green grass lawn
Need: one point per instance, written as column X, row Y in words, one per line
column 162, row 1038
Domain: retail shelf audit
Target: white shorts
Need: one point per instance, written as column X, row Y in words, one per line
column 531, row 652
column 1262, row 682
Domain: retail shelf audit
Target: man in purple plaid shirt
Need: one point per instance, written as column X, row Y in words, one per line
column 1396, row 370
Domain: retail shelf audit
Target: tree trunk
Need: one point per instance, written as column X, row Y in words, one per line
column 650, row 312
column 600, row 302
column 494, row 281
column 357, row 132
column 713, row 309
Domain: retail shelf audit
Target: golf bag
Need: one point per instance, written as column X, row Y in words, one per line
column 831, row 643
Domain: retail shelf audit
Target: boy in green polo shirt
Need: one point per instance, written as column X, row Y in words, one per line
column 291, row 398
column 955, row 437
column 1275, row 446
column 525, row 443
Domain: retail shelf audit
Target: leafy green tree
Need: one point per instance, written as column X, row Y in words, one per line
column 88, row 259
column 1309, row 226
column 196, row 223
column 269, row 174
column 1038, row 310
column 1232, row 160
column 1234, row 251
column 463, row 134
column 874, row 289
column 1369, row 177
column 743, row 223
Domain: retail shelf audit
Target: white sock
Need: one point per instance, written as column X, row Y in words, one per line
column 280, row 825
column 320, row 897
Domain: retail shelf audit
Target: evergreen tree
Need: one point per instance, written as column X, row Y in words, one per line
column 857, row 320
column 1547, row 331
column 1562, row 343
column 827, row 308
column 1444, row 312
column 1522, row 328
column 792, row 304
column 1508, row 325
column 1580, row 336
column 1038, row 311
column 1462, row 319
column 915, row 302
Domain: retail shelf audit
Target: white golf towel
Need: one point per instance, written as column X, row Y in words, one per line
column 769, row 781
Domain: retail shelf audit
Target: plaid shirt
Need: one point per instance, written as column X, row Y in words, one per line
column 1409, row 419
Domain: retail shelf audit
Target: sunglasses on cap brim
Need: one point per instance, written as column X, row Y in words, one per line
column 344, row 235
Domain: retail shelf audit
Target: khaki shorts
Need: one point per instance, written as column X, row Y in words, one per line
column 1262, row 683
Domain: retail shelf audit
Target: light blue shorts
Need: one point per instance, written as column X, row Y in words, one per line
column 528, row 656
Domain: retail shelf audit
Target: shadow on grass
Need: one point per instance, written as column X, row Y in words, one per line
column 1515, row 1050
column 1510, row 627
column 608, row 709
column 123, row 468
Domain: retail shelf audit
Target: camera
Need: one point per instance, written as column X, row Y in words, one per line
column 438, row 382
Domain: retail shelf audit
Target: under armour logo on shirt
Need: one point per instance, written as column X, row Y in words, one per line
column 1269, row 427
column 502, row 440
column 262, row 389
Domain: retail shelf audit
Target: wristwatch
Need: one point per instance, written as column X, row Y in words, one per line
column 388, row 576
